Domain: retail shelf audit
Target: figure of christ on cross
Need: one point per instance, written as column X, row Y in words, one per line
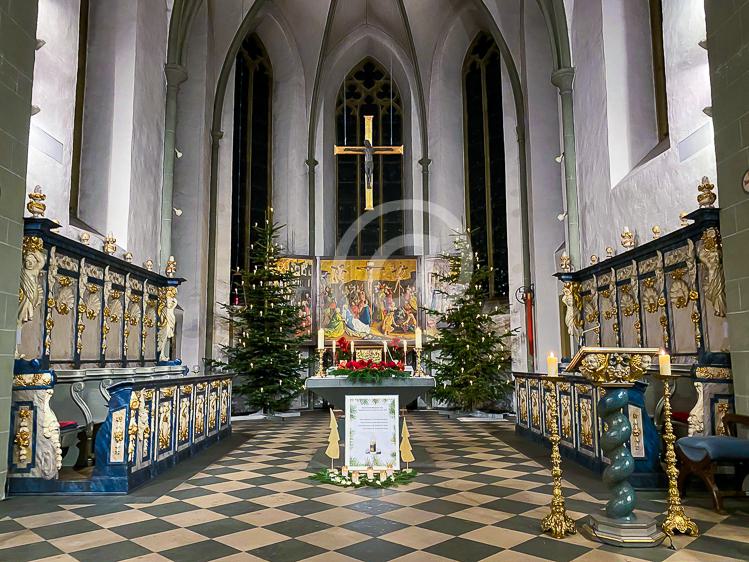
column 369, row 153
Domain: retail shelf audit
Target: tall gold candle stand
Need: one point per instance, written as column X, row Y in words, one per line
column 419, row 372
column 320, row 370
column 558, row 523
column 675, row 519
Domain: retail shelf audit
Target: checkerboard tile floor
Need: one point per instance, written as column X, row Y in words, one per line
column 482, row 501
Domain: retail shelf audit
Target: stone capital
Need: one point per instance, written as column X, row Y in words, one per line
column 175, row 74
column 563, row 79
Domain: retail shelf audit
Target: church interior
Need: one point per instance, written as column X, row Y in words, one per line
column 414, row 280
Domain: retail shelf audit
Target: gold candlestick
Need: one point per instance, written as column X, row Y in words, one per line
column 419, row 372
column 320, row 370
column 558, row 523
column 675, row 519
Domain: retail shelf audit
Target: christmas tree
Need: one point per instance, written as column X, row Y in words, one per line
column 471, row 358
column 333, row 451
column 268, row 327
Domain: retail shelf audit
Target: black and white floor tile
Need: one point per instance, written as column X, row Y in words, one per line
column 482, row 500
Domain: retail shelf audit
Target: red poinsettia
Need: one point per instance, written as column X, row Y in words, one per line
column 369, row 364
column 343, row 344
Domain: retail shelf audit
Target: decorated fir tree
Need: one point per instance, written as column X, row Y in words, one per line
column 471, row 358
column 268, row 327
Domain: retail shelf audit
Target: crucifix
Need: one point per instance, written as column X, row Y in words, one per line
column 369, row 152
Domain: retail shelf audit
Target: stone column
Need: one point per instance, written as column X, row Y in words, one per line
column 175, row 75
column 563, row 79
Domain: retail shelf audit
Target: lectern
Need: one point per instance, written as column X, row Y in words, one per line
column 615, row 369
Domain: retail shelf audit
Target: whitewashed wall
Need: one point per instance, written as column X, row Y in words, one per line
column 659, row 188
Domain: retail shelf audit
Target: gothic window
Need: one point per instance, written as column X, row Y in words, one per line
column 251, row 167
column 366, row 91
column 659, row 68
column 486, row 207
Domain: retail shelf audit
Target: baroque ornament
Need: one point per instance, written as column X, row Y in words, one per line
column 36, row 206
column 706, row 198
column 30, row 291
column 710, row 255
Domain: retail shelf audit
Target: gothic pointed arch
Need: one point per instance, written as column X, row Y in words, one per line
column 484, row 159
column 368, row 90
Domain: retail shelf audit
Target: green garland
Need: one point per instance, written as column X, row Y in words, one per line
column 370, row 375
column 335, row 478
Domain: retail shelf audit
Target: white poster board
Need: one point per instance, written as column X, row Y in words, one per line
column 372, row 432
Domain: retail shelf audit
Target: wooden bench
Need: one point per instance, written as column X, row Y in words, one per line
column 701, row 456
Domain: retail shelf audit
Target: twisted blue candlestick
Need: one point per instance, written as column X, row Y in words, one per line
column 614, row 439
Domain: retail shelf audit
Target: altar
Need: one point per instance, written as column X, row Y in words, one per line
column 335, row 389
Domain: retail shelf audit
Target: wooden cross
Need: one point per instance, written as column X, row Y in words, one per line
column 368, row 152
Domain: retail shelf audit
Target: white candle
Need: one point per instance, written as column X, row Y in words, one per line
column 405, row 349
column 383, row 476
column 664, row 363
column 344, row 471
column 355, row 477
column 385, row 348
column 333, row 349
column 353, row 357
column 418, row 338
column 320, row 339
column 552, row 365
column 370, row 473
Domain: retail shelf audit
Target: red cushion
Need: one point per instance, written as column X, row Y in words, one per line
column 68, row 425
column 682, row 417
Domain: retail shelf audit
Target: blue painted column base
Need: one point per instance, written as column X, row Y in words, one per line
column 618, row 525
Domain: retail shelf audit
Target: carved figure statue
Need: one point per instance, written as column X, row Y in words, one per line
column 168, row 321
column 568, row 298
column 715, row 285
column 30, row 291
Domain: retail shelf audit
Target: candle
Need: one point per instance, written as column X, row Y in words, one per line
column 664, row 363
column 389, row 470
column 344, row 471
column 383, row 476
column 320, row 339
column 385, row 349
column 353, row 357
column 418, row 338
column 552, row 365
column 370, row 473
column 355, row 477
column 333, row 350
column 405, row 349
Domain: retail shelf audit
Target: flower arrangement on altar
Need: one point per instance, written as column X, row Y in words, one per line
column 373, row 478
column 370, row 371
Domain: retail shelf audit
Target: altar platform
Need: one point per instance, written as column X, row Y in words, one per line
column 334, row 389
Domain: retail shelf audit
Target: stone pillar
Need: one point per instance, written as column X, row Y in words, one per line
column 17, row 41
column 175, row 75
column 727, row 46
column 563, row 79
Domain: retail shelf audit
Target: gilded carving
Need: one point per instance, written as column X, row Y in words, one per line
column 212, row 414
column 535, row 411
column 711, row 256
column 165, row 425
column 721, row 409
column 706, row 197
column 722, row 373
column 184, row 418
column 572, row 303
column 36, row 206
column 199, row 414
column 144, row 420
column 30, row 290
column 132, row 429
column 167, row 303
column 566, row 403
column 586, row 423
column 22, row 439
column 614, row 367
column 548, row 404
column 117, row 452
column 35, row 379
column 225, row 404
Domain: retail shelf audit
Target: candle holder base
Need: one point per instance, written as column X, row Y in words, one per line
column 639, row 532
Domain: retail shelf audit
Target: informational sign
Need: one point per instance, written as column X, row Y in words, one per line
column 372, row 432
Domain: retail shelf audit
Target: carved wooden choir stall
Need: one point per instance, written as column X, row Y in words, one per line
column 100, row 403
